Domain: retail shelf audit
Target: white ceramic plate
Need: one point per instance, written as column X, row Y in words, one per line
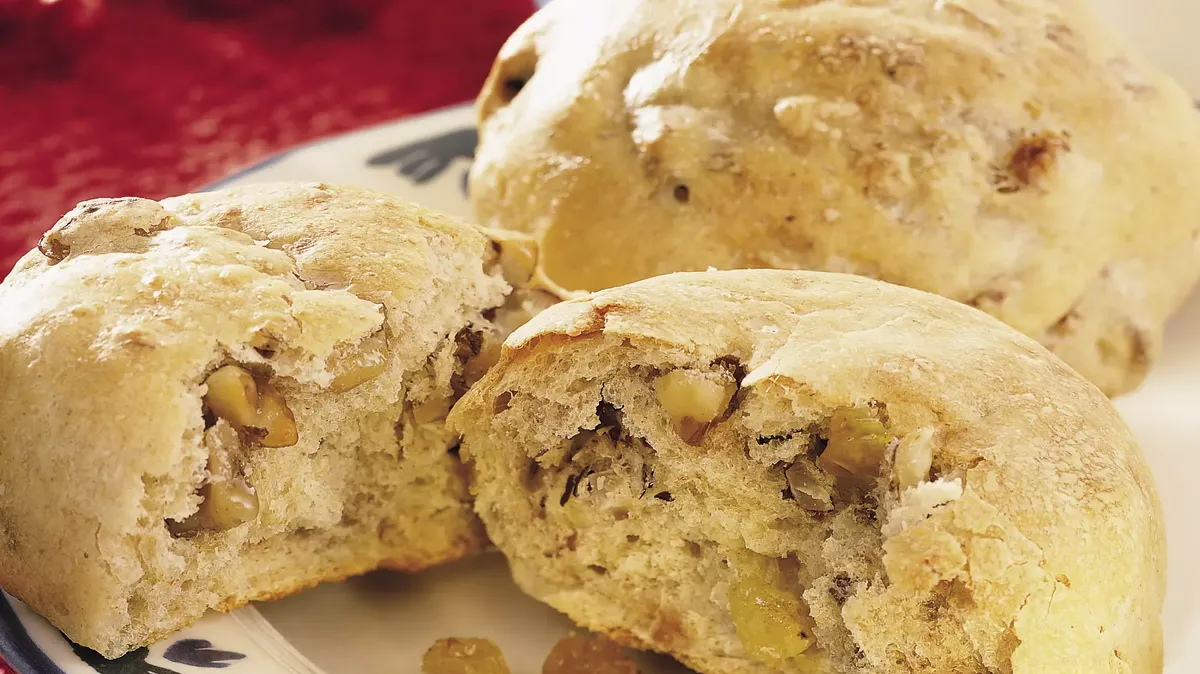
column 382, row 623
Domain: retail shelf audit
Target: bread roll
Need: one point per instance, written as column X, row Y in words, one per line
column 1009, row 154
column 801, row 472
column 231, row 396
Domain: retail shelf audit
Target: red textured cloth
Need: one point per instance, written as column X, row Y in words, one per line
column 164, row 101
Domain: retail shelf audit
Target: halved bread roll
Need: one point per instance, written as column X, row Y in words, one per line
column 231, row 396
column 773, row 471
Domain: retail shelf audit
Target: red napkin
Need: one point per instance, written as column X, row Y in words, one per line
column 165, row 96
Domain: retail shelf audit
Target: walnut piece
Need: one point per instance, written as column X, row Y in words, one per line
column 914, row 458
column 251, row 405
column 694, row 400
column 227, row 503
column 517, row 257
column 581, row 654
column 51, row 246
column 228, row 500
column 464, row 656
column 810, row 486
column 367, row 362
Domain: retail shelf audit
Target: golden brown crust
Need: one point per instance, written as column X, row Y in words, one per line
column 1009, row 155
column 107, row 341
column 1038, row 548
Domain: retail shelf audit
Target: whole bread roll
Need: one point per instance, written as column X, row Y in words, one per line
column 231, row 396
column 776, row 471
column 1009, row 154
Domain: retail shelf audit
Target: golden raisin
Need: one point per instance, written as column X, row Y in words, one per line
column 772, row 624
column 580, row 654
column 857, row 445
column 464, row 656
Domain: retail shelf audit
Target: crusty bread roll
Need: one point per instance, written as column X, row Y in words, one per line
column 1008, row 154
column 231, row 396
column 775, row 471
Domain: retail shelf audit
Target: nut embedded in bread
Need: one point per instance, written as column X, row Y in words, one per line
column 875, row 480
column 1009, row 155
column 231, row 396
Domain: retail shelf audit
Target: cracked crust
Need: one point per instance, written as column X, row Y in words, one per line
column 1012, row 155
column 110, row 330
column 1035, row 544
